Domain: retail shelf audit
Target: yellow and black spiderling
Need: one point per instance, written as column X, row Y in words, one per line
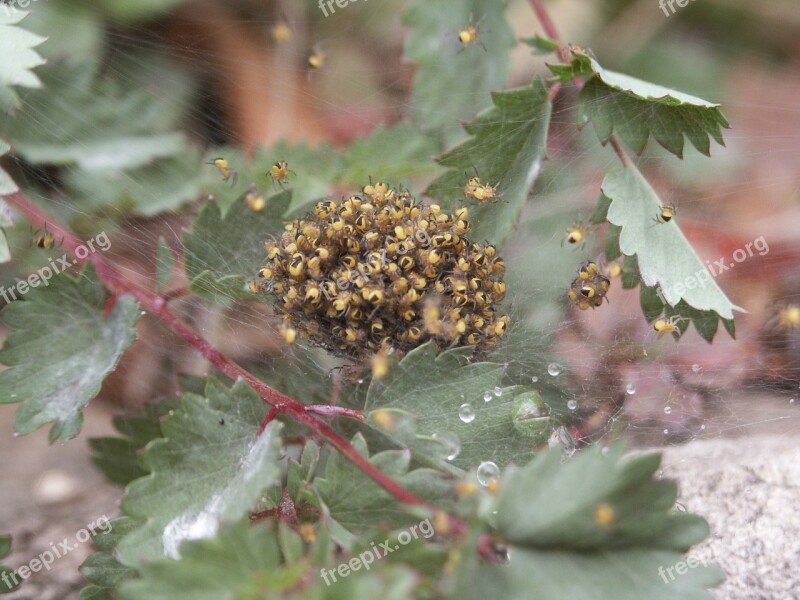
column 589, row 288
column 379, row 271
column 44, row 239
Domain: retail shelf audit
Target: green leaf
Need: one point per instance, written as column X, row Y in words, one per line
column 7, row 574
column 389, row 154
column 635, row 109
column 452, row 85
column 163, row 264
column 165, row 185
column 19, row 57
column 652, row 305
column 7, row 185
column 594, row 527
column 507, row 148
column 665, row 257
column 116, row 128
column 425, row 393
column 241, row 560
column 300, row 474
column 74, row 31
column 600, row 214
column 249, row 561
column 94, row 592
column 541, row 45
column 630, row 574
column 547, row 504
column 5, row 251
column 101, row 568
column 223, row 253
column 211, row 466
column 119, row 458
column 61, row 349
column 357, row 503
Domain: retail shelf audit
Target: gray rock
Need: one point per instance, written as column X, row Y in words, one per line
column 748, row 489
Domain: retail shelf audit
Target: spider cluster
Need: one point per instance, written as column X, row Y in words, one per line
column 589, row 288
column 378, row 272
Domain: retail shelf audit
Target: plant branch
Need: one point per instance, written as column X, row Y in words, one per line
column 551, row 32
column 549, row 28
column 280, row 403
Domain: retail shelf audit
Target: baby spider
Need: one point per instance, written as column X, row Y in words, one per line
column 316, row 60
column 255, row 199
column 281, row 32
column 481, row 192
column 612, row 270
column 665, row 214
column 224, row 168
column 789, row 316
column 664, row 326
column 44, row 239
column 471, row 34
column 576, row 235
column 280, row 172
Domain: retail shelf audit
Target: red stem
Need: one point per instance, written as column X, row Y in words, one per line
column 551, row 32
column 549, row 28
column 157, row 305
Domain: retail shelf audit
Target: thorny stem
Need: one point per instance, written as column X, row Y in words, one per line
column 551, row 32
column 280, row 403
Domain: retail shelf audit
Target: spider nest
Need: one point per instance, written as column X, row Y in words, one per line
column 379, row 272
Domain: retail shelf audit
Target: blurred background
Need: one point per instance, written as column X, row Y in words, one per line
column 232, row 78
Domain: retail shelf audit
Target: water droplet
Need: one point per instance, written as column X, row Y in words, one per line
column 487, row 396
column 554, row 369
column 451, row 442
column 360, row 381
column 703, row 426
column 143, row 313
column 535, row 379
column 667, row 410
column 498, row 391
column 572, row 405
column 466, row 413
column 487, row 471
column 696, row 368
column 791, row 400
column 680, row 507
column 666, row 432
column 530, row 409
column 630, row 390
